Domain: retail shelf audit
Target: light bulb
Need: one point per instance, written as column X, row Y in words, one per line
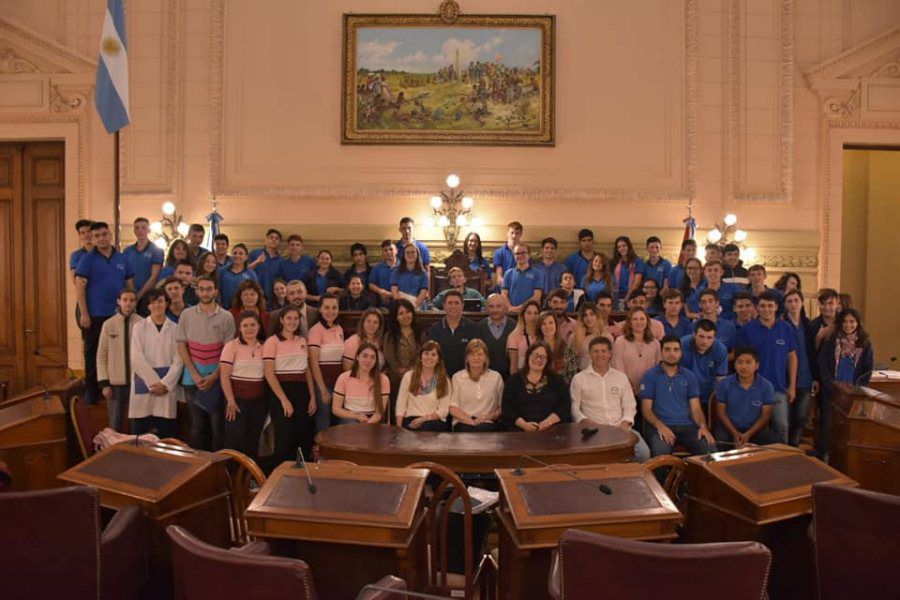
column 740, row 235
column 443, row 221
column 452, row 181
column 436, row 202
column 156, row 227
column 168, row 208
column 183, row 229
column 476, row 222
column 462, row 221
column 467, row 202
column 730, row 219
column 714, row 236
column 429, row 221
column 160, row 243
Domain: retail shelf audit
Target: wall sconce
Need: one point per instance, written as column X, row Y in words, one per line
column 727, row 232
column 169, row 228
column 451, row 211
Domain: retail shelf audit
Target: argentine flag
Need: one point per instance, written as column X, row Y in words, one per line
column 111, row 93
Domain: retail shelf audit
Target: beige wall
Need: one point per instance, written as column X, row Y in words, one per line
column 729, row 103
column 870, row 261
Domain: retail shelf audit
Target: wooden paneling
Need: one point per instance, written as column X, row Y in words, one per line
column 11, row 363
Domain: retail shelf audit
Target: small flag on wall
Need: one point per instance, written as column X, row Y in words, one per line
column 111, row 93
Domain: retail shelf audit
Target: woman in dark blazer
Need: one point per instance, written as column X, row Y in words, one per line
column 536, row 398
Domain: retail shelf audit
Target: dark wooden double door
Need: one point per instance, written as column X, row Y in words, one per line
column 33, row 264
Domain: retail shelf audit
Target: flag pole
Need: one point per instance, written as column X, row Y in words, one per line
column 116, row 205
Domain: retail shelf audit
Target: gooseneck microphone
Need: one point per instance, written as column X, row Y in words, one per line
column 873, row 371
column 301, row 463
column 519, row 472
column 710, row 456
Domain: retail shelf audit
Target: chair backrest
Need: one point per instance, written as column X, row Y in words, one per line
column 205, row 572
column 712, row 417
column 674, row 476
column 51, row 541
column 85, row 427
column 591, row 565
column 445, row 493
column 173, row 442
column 856, row 534
column 244, row 480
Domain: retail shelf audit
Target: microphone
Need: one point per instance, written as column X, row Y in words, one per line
column 301, row 463
column 519, row 472
column 710, row 456
column 873, row 371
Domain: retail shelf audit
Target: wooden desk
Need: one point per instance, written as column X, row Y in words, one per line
column 361, row 524
column 173, row 486
column 33, row 440
column 865, row 437
column 889, row 386
column 537, row 506
column 761, row 494
column 390, row 446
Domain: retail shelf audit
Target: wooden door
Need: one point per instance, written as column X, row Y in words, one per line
column 33, row 266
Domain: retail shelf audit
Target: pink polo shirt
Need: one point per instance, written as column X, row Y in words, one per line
column 291, row 357
column 358, row 396
column 246, row 362
column 330, row 342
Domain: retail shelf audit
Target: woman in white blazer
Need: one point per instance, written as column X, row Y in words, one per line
column 156, row 371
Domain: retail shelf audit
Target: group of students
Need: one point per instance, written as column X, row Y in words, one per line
column 245, row 337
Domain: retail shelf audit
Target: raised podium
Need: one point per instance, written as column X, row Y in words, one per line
column 538, row 505
column 360, row 524
column 865, row 437
column 33, row 440
column 173, row 486
column 761, row 494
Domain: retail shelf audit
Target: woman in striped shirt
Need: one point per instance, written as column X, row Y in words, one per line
column 290, row 394
column 361, row 394
column 326, row 349
column 370, row 329
column 423, row 399
column 241, row 369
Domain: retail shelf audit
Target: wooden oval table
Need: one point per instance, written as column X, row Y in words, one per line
column 390, row 446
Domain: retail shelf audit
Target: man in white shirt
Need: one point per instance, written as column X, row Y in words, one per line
column 601, row 394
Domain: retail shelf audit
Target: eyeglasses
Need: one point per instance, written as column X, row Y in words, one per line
column 539, row 357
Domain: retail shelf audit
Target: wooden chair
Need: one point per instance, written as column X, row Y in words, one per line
column 444, row 495
column 85, row 426
column 242, row 474
column 672, row 482
column 174, row 442
column 712, row 417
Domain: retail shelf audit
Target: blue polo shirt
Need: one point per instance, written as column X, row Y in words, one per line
column 804, row 370
column 409, row 282
column 593, row 289
column 726, row 332
column 106, row 277
column 676, row 275
column 505, row 258
column 75, row 257
column 267, row 271
column 658, row 272
column 520, row 284
column 381, row 275
column 479, row 265
column 423, row 251
column 624, row 279
column 142, row 262
column 706, row 367
column 549, row 277
column 744, row 405
column 683, row 328
column 229, row 282
column 774, row 345
column 671, row 395
column 578, row 265
column 725, row 293
column 289, row 269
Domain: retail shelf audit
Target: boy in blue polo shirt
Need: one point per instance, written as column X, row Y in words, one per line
column 578, row 262
column 83, row 227
column 744, row 403
column 713, row 271
column 776, row 344
column 670, row 403
column 726, row 332
column 673, row 319
column 266, row 262
column 706, row 357
column 549, row 271
column 99, row 277
column 407, row 236
column 521, row 283
column 656, row 267
column 504, row 258
column 295, row 265
column 146, row 261
column 676, row 275
column 380, row 277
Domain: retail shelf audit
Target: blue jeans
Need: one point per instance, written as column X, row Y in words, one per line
column 762, row 437
column 117, row 406
column 799, row 411
column 323, row 411
column 780, row 422
column 684, row 434
column 641, row 449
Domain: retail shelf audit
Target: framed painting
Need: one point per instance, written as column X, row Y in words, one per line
column 417, row 79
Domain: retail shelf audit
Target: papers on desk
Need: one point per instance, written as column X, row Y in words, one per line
column 482, row 500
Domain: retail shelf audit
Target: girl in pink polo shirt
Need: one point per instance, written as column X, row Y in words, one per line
column 361, row 394
column 326, row 349
column 523, row 335
column 241, row 369
column 369, row 330
column 291, row 397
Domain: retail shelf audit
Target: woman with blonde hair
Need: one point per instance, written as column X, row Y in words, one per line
column 423, row 399
column 636, row 351
column 477, row 392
